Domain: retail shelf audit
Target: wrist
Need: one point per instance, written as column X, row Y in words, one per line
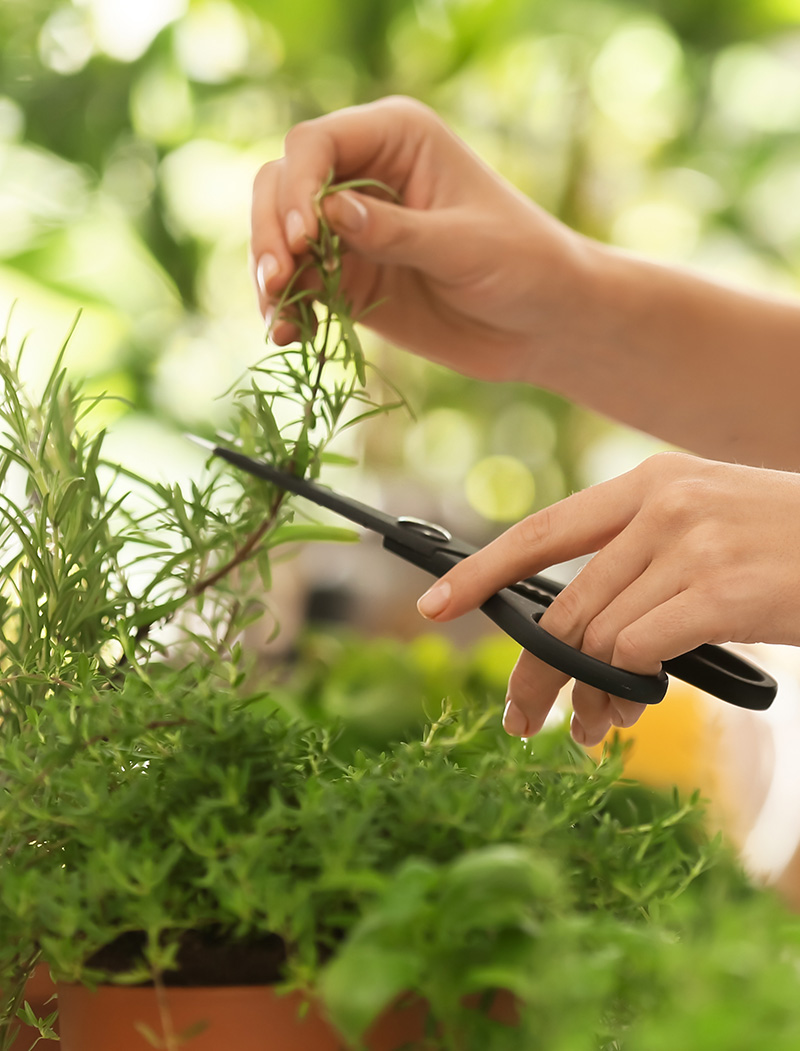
column 573, row 313
column 601, row 299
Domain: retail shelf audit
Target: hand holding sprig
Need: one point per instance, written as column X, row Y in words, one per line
column 450, row 268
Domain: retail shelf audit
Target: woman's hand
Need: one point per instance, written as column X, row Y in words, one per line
column 466, row 272
column 688, row 551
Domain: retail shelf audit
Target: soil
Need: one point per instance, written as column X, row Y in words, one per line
column 205, row 958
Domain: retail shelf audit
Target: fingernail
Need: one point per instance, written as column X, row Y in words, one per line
column 351, row 216
column 434, row 601
column 295, row 229
column 267, row 268
column 515, row 722
column 578, row 732
column 617, row 718
column 269, row 317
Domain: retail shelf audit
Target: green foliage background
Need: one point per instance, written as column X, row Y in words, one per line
column 130, row 133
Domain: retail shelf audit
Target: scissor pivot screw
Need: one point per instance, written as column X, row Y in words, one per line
column 428, row 529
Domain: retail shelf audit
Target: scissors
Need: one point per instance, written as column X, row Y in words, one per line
column 517, row 608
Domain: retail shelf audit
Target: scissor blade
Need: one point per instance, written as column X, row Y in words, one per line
column 355, row 511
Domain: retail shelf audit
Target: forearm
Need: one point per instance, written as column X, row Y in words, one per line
column 700, row 364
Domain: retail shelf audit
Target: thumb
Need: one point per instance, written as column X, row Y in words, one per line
column 392, row 233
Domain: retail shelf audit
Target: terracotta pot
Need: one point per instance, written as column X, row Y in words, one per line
column 236, row 1018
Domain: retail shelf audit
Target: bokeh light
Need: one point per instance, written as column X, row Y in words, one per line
column 161, row 105
column 501, row 488
column 65, row 41
column 206, row 188
column 125, row 30
column 757, row 90
column 442, row 446
column 637, row 80
column 211, row 43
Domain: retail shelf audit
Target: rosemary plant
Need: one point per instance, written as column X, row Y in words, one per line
column 93, row 558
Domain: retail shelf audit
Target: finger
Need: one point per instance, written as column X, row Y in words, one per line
column 532, row 690
column 399, row 235
column 383, row 140
column 292, row 313
column 376, row 140
column 568, row 618
column 534, row 686
column 606, row 577
column 596, row 712
column 676, row 626
column 591, row 715
column 397, row 141
column 617, row 587
column 581, row 523
column 271, row 261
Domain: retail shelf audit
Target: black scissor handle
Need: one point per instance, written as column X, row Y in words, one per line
column 725, row 675
column 710, row 668
column 513, row 612
column 517, row 611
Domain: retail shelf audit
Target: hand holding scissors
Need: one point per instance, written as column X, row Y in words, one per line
column 518, row 608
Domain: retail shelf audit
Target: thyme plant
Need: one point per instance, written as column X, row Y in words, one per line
column 443, row 867
column 188, row 811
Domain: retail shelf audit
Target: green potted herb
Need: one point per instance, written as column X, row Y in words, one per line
column 183, row 818
column 501, row 897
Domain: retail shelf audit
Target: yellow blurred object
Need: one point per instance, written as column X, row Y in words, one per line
column 696, row 743
column 670, row 743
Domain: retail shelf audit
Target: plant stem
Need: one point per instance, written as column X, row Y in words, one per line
column 242, row 554
column 167, row 1030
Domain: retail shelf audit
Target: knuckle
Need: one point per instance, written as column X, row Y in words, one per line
column 668, row 464
column 298, row 134
column 565, row 617
column 264, row 175
column 597, row 641
column 678, row 503
column 535, row 529
column 629, row 651
column 708, row 547
column 406, row 106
